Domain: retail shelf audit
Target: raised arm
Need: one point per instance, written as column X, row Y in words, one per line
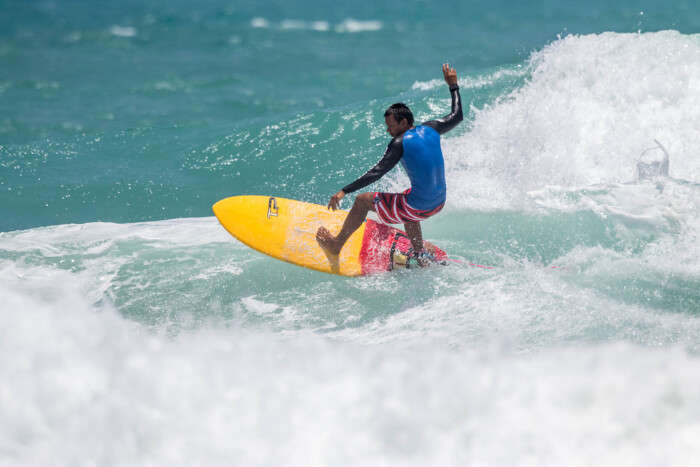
column 446, row 123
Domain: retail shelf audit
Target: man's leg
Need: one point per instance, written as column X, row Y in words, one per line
column 363, row 204
column 415, row 234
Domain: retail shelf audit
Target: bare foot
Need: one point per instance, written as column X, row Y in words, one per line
column 425, row 258
column 327, row 241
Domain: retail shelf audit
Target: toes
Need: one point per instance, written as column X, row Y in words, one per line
column 322, row 233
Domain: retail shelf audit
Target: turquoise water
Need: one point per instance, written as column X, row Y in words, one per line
column 132, row 320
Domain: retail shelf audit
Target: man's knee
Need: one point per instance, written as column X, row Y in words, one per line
column 366, row 200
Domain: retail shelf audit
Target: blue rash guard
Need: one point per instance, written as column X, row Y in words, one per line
column 422, row 160
column 419, row 151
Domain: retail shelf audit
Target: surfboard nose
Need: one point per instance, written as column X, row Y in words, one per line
column 218, row 207
column 231, row 205
column 286, row 229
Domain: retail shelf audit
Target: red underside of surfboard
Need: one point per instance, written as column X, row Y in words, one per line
column 385, row 248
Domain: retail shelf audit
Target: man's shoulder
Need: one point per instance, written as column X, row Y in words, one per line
column 428, row 128
column 396, row 141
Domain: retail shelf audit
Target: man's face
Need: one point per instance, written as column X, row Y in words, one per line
column 395, row 128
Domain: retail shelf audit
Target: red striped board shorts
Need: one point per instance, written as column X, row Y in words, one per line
column 392, row 208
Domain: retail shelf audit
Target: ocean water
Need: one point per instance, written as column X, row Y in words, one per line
column 135, row 331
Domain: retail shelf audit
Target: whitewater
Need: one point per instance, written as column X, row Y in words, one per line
column 166, row 341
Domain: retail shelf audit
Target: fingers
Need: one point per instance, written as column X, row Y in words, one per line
column 449, row 73
column 333, row 203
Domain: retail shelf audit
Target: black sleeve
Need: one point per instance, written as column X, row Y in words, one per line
column 391, row 157
column 446, row 123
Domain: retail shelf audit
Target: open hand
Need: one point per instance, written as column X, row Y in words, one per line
column 334, row 202
column 450, row 74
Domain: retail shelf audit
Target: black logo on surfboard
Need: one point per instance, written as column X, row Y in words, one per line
column 272, row 207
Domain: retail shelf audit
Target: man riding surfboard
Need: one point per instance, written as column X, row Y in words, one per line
column 418, row 149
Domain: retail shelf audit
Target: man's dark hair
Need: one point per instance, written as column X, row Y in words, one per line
column 400, row 111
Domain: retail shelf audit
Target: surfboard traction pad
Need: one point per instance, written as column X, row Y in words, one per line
column 385, row 248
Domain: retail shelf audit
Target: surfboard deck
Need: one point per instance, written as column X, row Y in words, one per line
column 286, row 229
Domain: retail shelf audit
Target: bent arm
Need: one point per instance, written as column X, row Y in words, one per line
column 446, row 123
column 391, row 157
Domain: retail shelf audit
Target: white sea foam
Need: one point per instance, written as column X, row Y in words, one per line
column 474, row 82
column 320, row 26
column 592, row 106
column 348, row 25
column 353, row 26
column 259, row 22
column 123, row 31
column 528, row 306
column 199, row 231
column 522, row 356
column 102, row 251
column 89, row 386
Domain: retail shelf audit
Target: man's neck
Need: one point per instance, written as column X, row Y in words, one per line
column 407, row 129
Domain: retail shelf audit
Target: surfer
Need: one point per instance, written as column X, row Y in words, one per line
column 418, row 149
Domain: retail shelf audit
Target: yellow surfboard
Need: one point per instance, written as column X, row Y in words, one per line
column 286, row 229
